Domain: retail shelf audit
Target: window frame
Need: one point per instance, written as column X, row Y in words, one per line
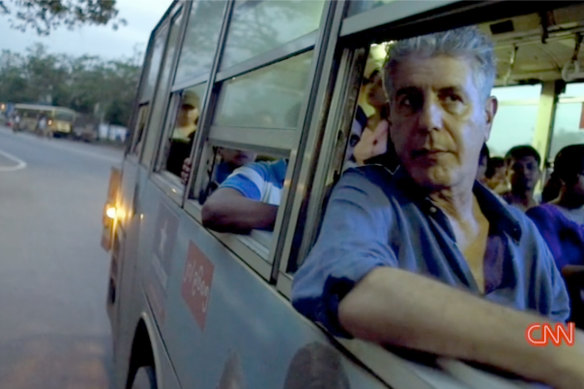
column 163, row 92
column 202, row 78
column 266, row 267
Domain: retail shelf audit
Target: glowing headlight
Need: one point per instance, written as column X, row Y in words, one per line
column 111, row 212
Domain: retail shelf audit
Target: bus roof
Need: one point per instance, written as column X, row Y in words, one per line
column 41, row 107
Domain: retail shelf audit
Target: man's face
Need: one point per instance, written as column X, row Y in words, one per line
column 237, row 157
column 438, row 122
column 375, row 94
column 523, row 173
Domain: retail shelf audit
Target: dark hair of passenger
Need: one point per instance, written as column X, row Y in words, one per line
column 484, row 152
column 492, row 166
column 568, row 164
column 519, row 152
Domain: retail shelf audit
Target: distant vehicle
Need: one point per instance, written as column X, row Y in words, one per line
column 85, row 128
column 59, row 119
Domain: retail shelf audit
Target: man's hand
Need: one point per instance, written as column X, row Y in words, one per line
column 186, row 170
column 372, row 143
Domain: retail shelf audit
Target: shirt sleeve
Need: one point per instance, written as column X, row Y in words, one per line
column 247, row 180
column 353, row 240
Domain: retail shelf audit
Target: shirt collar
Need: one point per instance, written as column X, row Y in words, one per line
column 494, row 209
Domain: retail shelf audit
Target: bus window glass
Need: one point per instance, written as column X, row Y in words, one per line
column 358, row 6
column 139, row 129
column 266, row 98
column 516, row 117
column 154, row 65
column 161, row 99
column 259, row 26
column 182, row 129
column 200, row 41
column 569, row 119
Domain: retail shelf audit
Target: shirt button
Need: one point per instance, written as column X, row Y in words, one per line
column 433, row 210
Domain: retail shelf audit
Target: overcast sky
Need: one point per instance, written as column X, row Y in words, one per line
column 141, row 15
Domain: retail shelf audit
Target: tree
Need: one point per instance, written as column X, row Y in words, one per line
column 100, row 89
column 44, row 16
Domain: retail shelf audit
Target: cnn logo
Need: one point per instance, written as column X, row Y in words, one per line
column 541, row 334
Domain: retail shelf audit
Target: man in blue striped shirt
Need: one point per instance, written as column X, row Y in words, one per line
column 248, row 199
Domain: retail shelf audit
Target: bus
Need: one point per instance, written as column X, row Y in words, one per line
column 194, row 308
column 59, row 119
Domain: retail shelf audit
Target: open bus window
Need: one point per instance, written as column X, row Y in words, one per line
column 368, row 141
column 241, row 189
column 179, row 139
column 139, row 128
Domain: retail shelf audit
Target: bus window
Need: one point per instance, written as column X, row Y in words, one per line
column 517, row 110
column 160, row 100
column 154, row 62
column 200, row 40
column 181, row 131
column 359, row 6
column 569, row 119
column 260, row 26
column 224, row 161
column 241, row 192
column 267, row 98
column 143, row 111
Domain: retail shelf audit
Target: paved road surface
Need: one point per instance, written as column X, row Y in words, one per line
column 54, row 331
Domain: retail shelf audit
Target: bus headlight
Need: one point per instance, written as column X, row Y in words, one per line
column 111, row 212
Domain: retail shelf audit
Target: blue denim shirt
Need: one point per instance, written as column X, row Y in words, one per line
column 376, row 219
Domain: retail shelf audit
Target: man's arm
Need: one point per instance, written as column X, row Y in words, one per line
column 393, row 306
column 227, row 210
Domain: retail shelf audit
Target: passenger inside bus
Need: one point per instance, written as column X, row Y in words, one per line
column 483, row 162
column 523, row 169
column 248, row 199
column 374, row 145
column 429, row 218
column 183, row 134
column 229, row 160
column 496, row 175
column 561, row 221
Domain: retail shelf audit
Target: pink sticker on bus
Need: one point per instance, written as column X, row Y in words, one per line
column 196, row 283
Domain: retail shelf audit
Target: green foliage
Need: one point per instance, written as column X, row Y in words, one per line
column 44, row 16
column 87, row 84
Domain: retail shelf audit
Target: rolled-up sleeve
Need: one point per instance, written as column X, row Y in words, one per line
column 353, row 240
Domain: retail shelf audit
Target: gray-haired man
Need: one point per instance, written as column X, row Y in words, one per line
column 433, row 219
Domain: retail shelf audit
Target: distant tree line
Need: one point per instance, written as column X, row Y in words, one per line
column 90, row 85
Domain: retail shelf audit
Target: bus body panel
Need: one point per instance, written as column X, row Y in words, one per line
column 245, row 316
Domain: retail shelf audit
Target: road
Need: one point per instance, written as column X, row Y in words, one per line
column 54, row 330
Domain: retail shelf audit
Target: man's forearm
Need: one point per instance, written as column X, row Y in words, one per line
column 393, row 306
column 231, row 212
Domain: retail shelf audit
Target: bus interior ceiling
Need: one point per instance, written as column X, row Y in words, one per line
column 538, row 46
column 531, row 48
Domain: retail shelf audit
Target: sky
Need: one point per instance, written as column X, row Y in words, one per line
column 141, row 15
